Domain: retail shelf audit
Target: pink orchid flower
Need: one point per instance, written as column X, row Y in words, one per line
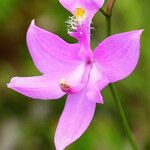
column 75, row 69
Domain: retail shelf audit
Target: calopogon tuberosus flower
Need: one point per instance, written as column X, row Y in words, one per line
column 75, row 69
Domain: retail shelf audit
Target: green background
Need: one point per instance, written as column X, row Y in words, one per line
column 26, row 124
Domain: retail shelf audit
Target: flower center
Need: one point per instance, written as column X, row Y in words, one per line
column 89, row 60
column 79, row 13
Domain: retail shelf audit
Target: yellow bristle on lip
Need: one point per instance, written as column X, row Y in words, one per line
column 79, row 12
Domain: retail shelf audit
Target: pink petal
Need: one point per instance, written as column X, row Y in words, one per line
column 97, row 81
column 91, row 6
column 74, row 80
column 75, row 76
column 40, row 87
column 75, row 89
column 118, row 54
column 75, row 119
column 95, row 96
column 49, row 52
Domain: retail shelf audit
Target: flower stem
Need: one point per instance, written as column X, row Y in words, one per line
column 112, row 87
column 108, row 25
column 123, row 117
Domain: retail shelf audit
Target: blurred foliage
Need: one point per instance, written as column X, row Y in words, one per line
column 26, row 124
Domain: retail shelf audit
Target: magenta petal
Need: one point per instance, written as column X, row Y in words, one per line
column 118, row 54
column 91, row 6
column 75, row 119
column 74, row 80
column 76, row 89
column 97, row 81
column 49, row 52
column 95, row 96
column 40, row 87
column 75, row 76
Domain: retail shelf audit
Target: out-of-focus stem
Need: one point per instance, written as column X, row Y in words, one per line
column 108, row 25
column 123, row 117
column 108, row 14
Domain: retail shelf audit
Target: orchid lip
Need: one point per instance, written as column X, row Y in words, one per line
column 78, row 18
column 80, row 13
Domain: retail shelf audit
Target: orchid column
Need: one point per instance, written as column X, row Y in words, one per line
column 75, row 69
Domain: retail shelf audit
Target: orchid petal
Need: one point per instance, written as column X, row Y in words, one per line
column 118, row 54
column 94, row 96
column 49, row 52
column 72, row 83
column 91, row 6
column 75, row 76
column 75, row 119
column 97, row 81
column 38, row 87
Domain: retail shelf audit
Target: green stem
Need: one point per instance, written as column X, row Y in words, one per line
column 103, row 12
column 117, row 101
column 108, row 25
column 123, row 117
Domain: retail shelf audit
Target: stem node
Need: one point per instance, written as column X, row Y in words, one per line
column 109, row 6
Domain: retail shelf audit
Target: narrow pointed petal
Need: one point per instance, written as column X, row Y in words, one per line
column 38, row 87
column 49, row 52
column 95, row 96
column 97, row 81
column 75, row 119
column 118, row 54
column 91, row 6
